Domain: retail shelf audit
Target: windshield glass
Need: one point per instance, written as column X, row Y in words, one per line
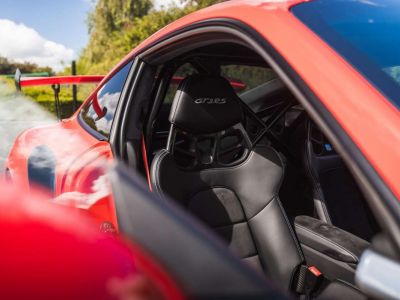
column 365, row 32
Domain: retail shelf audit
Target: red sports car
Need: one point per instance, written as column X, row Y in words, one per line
column 274, row 123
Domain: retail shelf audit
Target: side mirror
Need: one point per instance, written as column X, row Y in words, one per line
column 378, row 271
column 378, row 276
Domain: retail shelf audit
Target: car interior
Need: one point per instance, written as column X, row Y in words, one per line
column 228, row 142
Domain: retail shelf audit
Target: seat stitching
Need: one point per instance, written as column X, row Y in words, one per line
column 300, row 252
column 286, row 221
column 251, row 255
column 262, row 208
column 157, row 168
column 210, row 188
column 250, row 229
column 231, row 224
column 162, row 156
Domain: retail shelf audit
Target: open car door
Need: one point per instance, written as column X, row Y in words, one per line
column 201, row 266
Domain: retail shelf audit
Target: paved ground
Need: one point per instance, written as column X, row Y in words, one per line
column 16, row 115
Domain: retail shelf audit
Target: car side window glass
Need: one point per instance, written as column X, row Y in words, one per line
column 108, row 98
column 246, row 77
column 161, row 122
column 182, row 72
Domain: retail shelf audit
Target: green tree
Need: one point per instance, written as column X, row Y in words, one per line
column 203, row 3
column 105, row 22
column 117, row 26
column 9, row 67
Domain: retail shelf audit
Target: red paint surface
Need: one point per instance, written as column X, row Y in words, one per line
column 365, row 114
column 52, row 252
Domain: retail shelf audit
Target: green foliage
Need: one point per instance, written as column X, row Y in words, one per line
column 113, row 15
column 252, row 76
column 44, row 96
column 8, row 67
column 107, row 23
column 44, row 93
column 116, row 27
column 7, row 88
column 66, row 107
column 203, row 3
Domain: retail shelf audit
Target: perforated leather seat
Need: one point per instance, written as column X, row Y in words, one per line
column 211, row 169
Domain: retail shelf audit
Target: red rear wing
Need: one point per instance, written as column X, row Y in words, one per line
column 77, row 79
column 56, row 81
column 87, row 79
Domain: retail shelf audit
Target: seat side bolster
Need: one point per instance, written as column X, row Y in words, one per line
column 282, row 256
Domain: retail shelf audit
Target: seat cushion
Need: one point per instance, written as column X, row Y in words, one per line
column 241, row 204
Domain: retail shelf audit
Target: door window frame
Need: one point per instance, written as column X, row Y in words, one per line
column 89, row 103
column 379, row 196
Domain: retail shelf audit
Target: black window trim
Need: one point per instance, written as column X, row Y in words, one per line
column 372, row 185
column 121, row 116
column 89, row 129
column 82, row 122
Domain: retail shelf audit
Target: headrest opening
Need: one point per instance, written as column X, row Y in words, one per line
column 223, row 149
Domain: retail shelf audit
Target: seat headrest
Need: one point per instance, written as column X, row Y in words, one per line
column 205, row 104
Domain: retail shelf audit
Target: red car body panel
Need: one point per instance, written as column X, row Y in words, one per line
column 365, row 114
column 68, row 257
column 80, row 158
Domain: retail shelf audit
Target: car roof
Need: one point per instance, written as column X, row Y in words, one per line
column 273, row 21
column 238, row 10
column 232, row 9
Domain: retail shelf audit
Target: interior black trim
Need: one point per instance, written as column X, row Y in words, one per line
column 371, row 183
column 353, row 156
column 89, row 129
column 121, row 114
column 82, row 122
column 215, row 273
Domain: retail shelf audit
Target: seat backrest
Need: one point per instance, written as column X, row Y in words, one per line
column 337, row 198
column 211, row 169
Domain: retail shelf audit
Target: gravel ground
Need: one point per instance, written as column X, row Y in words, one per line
column 17, row 114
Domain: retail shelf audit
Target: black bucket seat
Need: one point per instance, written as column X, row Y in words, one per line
column 212, row 169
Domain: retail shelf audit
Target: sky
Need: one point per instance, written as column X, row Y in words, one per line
column 46, row 32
